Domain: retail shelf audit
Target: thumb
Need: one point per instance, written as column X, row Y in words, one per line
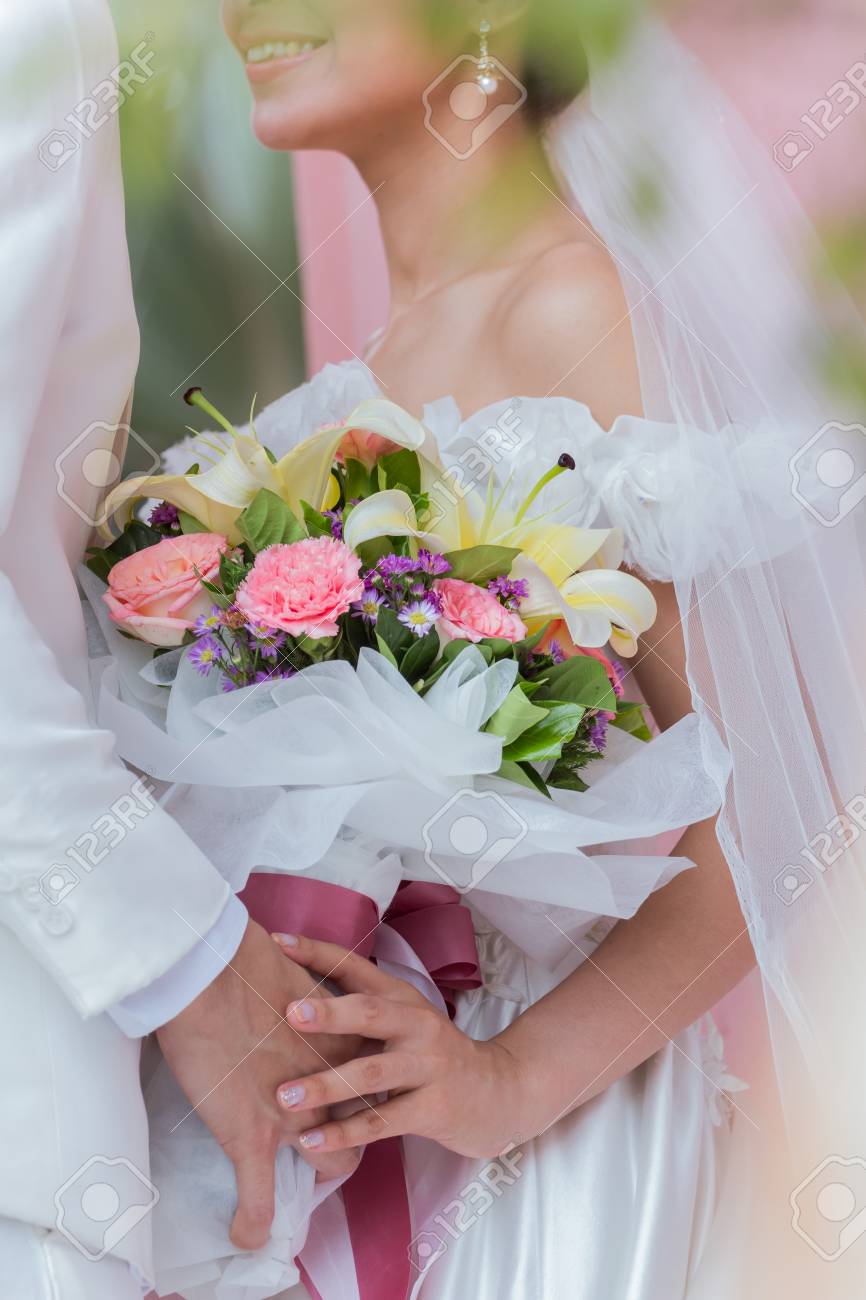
column 254, row 1174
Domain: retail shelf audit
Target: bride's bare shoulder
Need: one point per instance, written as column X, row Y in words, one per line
column 564, row 330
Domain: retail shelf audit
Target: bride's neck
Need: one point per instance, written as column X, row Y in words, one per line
column 444, row 217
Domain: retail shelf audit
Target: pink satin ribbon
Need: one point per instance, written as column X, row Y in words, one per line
column 439, row 929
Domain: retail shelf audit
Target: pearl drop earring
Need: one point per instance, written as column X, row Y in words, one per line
column 485, row 75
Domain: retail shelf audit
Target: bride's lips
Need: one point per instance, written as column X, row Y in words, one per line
column 268, row 57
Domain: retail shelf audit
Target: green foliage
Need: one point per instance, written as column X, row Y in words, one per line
column 136, row 536
column 480, row 564
column 267, row 521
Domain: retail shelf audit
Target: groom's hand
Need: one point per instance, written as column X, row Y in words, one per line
column 230, row 1049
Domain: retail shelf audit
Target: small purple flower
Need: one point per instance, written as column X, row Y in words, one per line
column 396, row 566
column 419, row 616
column 164, row 515
column 433, row 564
column 369, row 604
column 208, row 623
column 618, row 674
column 336, row 520
column 556, row 652
column 598, row 731
column 206, row 654
column 509, row 592
column 227, row 685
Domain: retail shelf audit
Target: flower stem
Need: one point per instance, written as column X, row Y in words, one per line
column 542, row 483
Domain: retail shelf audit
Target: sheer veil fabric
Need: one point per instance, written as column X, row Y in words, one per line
column 765, row 548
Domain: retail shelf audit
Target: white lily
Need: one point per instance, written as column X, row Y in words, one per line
column 218, row 496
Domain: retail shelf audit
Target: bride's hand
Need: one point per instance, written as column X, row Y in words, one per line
column 469, row 1096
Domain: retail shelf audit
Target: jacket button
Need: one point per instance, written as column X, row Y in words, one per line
column 56, row 920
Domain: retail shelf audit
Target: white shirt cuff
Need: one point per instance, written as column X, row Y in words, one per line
column 175, row 989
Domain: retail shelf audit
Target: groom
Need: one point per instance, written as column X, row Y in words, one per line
column 113, row 922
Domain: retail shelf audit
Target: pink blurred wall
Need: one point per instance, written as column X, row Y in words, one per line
column 774, row 62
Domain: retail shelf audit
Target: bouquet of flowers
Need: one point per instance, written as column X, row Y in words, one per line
column 356, row 678
column 257, row 569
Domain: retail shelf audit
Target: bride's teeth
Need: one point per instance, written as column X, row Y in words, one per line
column 280, row 50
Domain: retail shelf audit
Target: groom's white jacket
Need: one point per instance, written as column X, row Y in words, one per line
column 68, row 352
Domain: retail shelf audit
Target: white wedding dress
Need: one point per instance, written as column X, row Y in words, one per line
column 616, row 1200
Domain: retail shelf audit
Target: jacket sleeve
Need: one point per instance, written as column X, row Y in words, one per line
column 101, row 886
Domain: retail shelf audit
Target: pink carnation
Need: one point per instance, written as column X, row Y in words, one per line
column 302, row 588
column 156, row 594
column 471, row 613
column 360, row 444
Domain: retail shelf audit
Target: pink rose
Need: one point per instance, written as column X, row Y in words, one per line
column 471, row 613
column 156, row 593
column 360, row 444
column 302, row 588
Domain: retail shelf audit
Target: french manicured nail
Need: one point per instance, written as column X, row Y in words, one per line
column 287, row 940
column 292, row 1096
column 304, row 1011
column 314, row 1139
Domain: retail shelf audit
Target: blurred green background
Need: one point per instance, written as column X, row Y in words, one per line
column 186, row 144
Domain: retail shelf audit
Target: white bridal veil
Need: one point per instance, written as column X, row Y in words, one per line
column 764, row 518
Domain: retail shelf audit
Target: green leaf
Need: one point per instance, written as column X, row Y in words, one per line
column 499, row 647
column 136, row 536
column 523, row 774
column 480, row 564
column 401, row 469
column 390, row 630
column 545, row 739
column 514, row 716
column 630, row 718
column 317, row 524
column 419, row 657
column 528, row 644
column 566, row 779
column 453, row 649
column 370, row 553
column 385, row 649
column 358, row 483
column 580, row 680
column 268, row 521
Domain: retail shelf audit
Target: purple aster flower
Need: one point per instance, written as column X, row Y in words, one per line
column 206, row 654
column 208, row 623
column 420, row 615
column 164, row 515
column 369, row 604
column 430, row 562
column 396, row 566
column 598, row 730
column 227, row 685
column 556, row 652
column 509, row 592
column 618, row 674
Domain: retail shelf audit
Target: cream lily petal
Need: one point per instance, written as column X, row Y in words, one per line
column 239, row 475
column 561, row 549
column 625, row 601
column 304, row 471
column 387, row 514
column 180, row 490
column 450, row 513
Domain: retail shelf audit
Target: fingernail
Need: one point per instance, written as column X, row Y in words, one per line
column 303, row 1011
column 288, row 940
column 291, row 1096
column 314, row 1139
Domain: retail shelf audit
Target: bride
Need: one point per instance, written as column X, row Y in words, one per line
column 594, row 260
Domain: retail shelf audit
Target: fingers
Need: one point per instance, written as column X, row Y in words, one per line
column 331, row 1164
column 254, row 1174
column 364, row 1014
column 367, row 1076
column 372, row 1124
column 350, row 970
